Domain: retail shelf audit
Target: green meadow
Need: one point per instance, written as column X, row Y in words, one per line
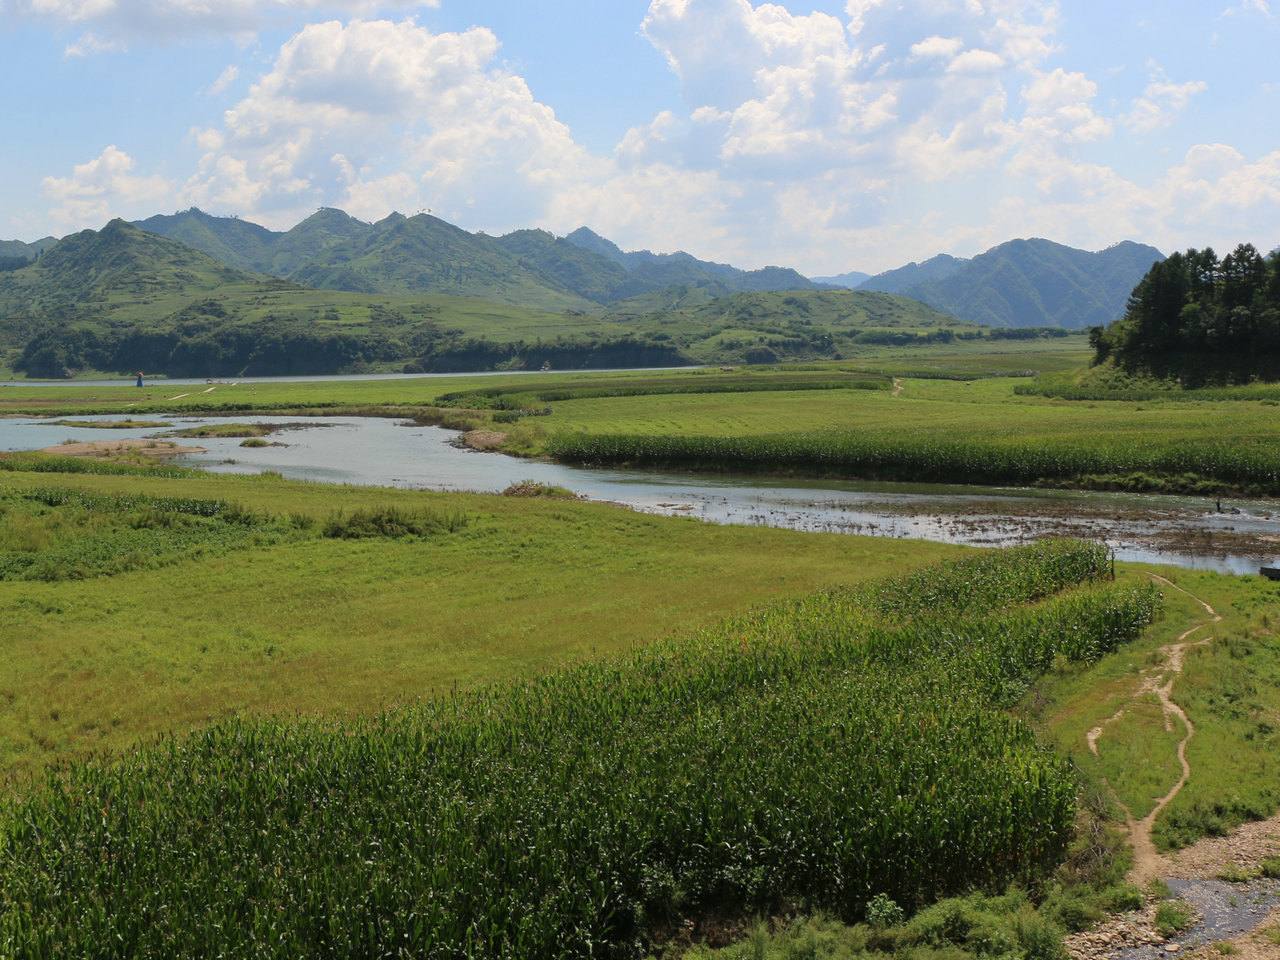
column 258, row 612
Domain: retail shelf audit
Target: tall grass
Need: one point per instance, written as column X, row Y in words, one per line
column 817, row 753
column 929, row 458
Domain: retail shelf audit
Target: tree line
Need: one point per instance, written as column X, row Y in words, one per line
column 1200, row 319
column 211, row 347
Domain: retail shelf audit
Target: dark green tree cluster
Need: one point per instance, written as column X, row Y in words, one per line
column 204, row 348
column 1200, row 319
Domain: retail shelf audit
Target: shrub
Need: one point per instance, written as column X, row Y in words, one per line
column 391, row 522
column 1174, row 916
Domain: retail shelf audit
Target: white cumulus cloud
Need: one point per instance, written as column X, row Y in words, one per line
column 1161, row 102
column 104, row 188
column 365, row 114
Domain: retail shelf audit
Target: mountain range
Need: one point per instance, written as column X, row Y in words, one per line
column 125, row 299
column 423, row 254
column 1021, row 283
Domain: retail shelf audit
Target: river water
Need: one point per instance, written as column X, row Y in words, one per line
column 1236, row 537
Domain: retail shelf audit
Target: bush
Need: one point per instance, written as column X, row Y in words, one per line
column 883, row 912
column 391, row 522
column 1174, row 916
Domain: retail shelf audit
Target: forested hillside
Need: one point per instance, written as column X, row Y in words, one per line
column 1200, row 319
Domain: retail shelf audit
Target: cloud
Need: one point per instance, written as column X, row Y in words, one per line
column 909, row 128
column 1247, row 7
column 361, row 114
column 1059, row 109
column 228, row 76
column 113, row 24
column 1161, row 102
column 104, row 188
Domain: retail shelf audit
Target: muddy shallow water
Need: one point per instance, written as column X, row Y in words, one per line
column 1186, row 531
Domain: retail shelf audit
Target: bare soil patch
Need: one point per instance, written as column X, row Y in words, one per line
column 483, row 439
column 118, row 448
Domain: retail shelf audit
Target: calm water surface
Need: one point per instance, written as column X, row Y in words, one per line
column 1184, row 531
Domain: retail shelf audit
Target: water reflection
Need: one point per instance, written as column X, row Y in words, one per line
column 1186, row 531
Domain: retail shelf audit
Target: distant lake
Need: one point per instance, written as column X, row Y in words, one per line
column 1184, row 531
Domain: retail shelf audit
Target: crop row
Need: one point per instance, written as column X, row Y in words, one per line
column 814, row 754
column 507, row 398
column 929, row 458
column 1069, row 391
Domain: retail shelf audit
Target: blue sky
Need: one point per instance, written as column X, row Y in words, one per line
column 828, row 135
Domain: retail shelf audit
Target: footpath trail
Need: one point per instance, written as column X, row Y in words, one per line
column 1246, row 917
column 1159, row 679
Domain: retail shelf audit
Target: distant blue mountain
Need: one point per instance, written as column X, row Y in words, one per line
column 1026, row 283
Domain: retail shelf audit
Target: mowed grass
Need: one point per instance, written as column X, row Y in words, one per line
column 329, row 626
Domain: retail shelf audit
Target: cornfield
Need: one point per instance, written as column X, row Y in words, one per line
column 928, row 458
column 819, row 752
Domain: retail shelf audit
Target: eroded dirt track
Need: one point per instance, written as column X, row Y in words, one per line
column 1246, row 916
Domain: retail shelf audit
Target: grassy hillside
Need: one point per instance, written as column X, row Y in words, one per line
column 92, row 274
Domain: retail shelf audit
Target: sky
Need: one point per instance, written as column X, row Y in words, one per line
column 824, row 135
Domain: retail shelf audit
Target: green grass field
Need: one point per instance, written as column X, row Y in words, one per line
column 307, row 625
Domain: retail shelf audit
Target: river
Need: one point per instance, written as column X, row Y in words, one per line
column 1237, row 537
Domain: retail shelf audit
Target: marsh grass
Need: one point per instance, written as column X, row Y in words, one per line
column 530, row 488
column 222, row 430
column 125, row 424
column 392, row 523
column 55, row 534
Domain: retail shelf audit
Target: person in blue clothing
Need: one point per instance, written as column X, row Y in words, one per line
column 139, row 378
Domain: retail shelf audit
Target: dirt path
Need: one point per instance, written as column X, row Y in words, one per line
column 1245, row 916
column 1147, row 861
column 897, row 386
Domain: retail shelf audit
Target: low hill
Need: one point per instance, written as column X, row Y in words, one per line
column 13, row 250
column 91, row 273
column 653, row 271
column 423, row 254
column 849, row 281
column 230, row 240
